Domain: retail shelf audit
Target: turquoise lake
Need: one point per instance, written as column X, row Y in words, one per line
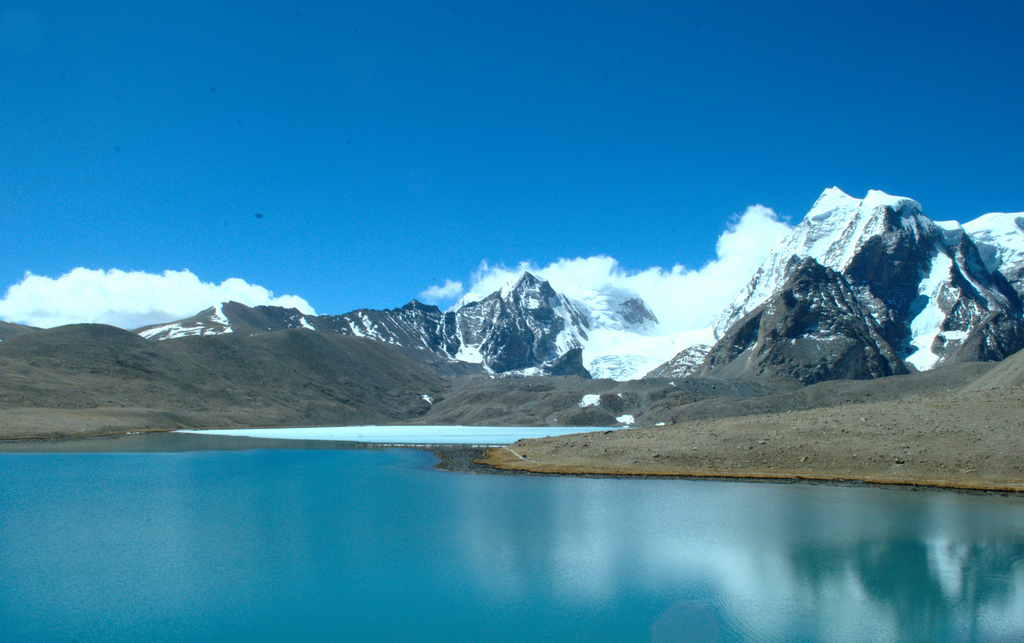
column 371, row 545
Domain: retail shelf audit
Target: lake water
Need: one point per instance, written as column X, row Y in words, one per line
column 301, row 544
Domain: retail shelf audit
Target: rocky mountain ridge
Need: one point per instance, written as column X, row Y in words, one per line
column 889, row 280
column 526, row 328
column 812, row 329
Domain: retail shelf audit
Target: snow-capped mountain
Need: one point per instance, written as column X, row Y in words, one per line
column 528, row 328
column 524, row 325
column 525, row 328
column 860, row 288
column 925, row 286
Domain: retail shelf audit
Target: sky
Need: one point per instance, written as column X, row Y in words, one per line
column 158, row 156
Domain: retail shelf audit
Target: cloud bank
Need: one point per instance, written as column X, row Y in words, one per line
column 127, row 299
column 682, row 299
column 450, row 290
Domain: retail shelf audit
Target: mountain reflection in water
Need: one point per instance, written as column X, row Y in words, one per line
column 301, row 544
column 770, row 562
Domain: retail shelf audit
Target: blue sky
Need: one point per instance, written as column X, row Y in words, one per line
column 356, row 153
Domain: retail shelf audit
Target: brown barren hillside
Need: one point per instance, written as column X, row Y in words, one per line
column 971, row 437
column 89, row 379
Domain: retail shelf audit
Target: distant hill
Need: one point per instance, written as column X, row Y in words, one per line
column 84, row 373
column 7, row 329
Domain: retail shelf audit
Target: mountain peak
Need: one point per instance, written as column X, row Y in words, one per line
column 876, row 199
column 834, row 232
column 831, row 199
column 525, row 281
column 835, row 204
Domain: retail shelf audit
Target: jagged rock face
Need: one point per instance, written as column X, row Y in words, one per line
column 996, row 338
column 881, row 244
column 525, row 327
column 635, row 313
column 832, row 232
column 684, row 363
column 813, row 329
column 414, row 324
column 925, row 286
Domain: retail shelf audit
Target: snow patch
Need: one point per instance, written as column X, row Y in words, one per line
column 927, row 324
column 219, row 317
column 590, row 400
column 469, row 354
column 626, row 419
column 173, row 331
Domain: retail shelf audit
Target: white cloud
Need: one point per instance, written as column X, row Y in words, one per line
column 682, row 299
column 450, row 290
column 127, row 299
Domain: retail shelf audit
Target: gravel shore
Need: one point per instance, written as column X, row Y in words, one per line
column 969, row 440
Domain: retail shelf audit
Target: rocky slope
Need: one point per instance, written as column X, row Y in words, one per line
column 967, row 440
column 686, row 362
column 812, row 329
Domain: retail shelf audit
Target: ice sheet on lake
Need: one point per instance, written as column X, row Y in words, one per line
column 481, row 435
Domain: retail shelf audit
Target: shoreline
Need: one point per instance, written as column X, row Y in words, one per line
column 970, row 440
column 491, row 464
column 759, row 448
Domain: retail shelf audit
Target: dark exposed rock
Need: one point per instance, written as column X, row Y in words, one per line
column 571, row 363
column 635, row 312
column 995, row 338
column 812, row 330
column 415, row 324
